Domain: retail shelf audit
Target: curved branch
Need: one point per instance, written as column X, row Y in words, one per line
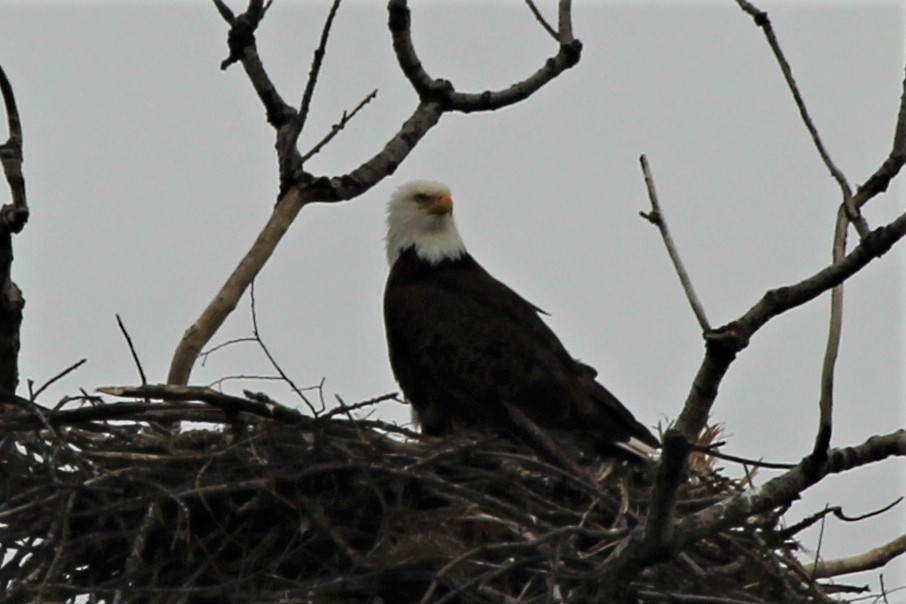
column 787, row 487
column 874, row 558
column 443, row 91
column 877, row 183
column 219, row 308
column 12, row 217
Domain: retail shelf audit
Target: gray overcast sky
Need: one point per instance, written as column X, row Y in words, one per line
column 150, row 171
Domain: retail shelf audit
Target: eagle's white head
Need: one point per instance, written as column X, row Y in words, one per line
column 420, row 214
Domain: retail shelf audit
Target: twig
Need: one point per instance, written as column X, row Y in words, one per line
column 270, row 357
column 338, row 127
column 34, row 396
column 343, row 408
column 540, row 18
column 656, row 217
column 289, row 162
column 436, row 98
column 205, row 395
column 138, row 363
column 204, row 354
column 787, row 487
column 838, row 512
column 822, row 525
column 317, row 60
column 832, row 348
column 711, row 450
column 763, row 21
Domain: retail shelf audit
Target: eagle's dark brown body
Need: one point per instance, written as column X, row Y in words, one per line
column 463, row 346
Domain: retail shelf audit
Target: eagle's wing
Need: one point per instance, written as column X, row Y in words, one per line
column 461, row 342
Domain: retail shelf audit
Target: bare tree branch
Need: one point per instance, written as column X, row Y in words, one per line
column 298, row 188
column 540, row 18
column 13, row 216
column 224, row 402
column 241, row 41
column 763, row 21
column 443, row 91
column 874, row 558
column 787, row 487
column 288, row 136
column 725, row 342
column 338, row 127
column 838, row 512
column 877, row 183
column 138, row 363
column 656, row 217
column 639, row 551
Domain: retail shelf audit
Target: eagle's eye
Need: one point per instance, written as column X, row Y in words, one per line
column 422, row 197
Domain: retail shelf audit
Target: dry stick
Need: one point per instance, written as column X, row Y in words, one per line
column 656, row 217
column 832, row 347
column 838, row 512
column 288, row 137
column 869, row 560
column 305, row 104
column 271, row 358
column 138, row 363
column 540, row 18
column 224, row 402
column 849, row 212
column 336, row 128
column 57, row 377
column 763, row 21
column 15, row 216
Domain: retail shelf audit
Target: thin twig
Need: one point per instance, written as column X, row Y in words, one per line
column 256, row 332
column 138, row 363
column 209, row 351
column 838, row 512
column 763, row 21
column 656, row 217
column 343, row 408
column 540, row 18
column 712, row 450
column 869, row 560
column 288, row 136
column 57, row 377
column 336, row 128
column 317, row 60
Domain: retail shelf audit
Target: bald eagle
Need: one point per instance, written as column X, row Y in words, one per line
column 468, row 351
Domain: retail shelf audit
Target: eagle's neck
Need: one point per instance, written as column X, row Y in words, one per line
column 434, row 238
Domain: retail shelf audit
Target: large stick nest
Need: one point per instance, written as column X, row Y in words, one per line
column 264, row 504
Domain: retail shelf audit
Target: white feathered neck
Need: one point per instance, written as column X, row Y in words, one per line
column 409, row 223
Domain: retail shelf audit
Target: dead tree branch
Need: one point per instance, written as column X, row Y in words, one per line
column 874, row 558
column 658, row 541
column 299, row 187
column 656, row 217
column 13, row 217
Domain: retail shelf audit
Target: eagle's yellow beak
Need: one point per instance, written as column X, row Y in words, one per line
column 442, row 204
